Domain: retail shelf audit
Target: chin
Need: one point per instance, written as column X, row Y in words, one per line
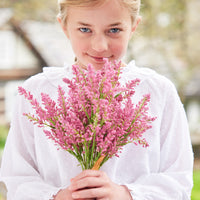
column 98, row 66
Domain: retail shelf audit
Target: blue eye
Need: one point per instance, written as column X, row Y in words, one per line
column 114, row 30
column 85, row 30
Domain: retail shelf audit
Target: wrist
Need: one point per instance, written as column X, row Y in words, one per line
column 127, row 192
column 54, row 197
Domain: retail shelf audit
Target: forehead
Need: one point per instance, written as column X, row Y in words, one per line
column 111, row 11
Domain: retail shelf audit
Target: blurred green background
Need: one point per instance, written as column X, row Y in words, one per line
column 167, row 40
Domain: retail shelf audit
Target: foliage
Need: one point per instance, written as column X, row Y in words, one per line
column 171, row 30
column 155, row 13
column 43, row 10
column 3, row 135
column 2, row 198
column 196, row 191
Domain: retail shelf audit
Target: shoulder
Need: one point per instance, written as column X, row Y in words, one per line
column 149, row 78
column 47, row 80
column 160, row 88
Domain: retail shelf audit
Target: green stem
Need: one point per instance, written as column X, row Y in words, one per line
column 138, row 114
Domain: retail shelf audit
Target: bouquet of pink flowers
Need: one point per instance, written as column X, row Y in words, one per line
column 96, row 117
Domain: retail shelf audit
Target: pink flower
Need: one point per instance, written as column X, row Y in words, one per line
column 96, row 117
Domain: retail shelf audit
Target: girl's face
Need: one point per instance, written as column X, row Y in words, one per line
column 99, row 32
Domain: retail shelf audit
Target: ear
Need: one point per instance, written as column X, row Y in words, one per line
column 63, row 27
column 139, row 18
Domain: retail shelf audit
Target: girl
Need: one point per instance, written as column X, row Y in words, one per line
column 33, row 168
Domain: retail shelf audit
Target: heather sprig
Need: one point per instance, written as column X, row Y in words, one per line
column 96, row 118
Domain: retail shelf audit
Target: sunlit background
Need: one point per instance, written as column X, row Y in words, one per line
column 167, row 40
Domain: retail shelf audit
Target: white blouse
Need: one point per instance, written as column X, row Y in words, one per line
column 34, row 169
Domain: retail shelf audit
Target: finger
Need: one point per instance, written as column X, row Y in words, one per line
column 87, row 182
column 87, row 173
column 89, row 193
column 104, row 198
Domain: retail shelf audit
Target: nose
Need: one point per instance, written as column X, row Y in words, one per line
column 99, row 43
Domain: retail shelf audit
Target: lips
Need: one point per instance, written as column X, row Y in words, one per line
column 100, row 58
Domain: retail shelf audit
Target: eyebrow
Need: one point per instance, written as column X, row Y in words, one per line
column 115, row 24
column 84, row 24
column 111, row 25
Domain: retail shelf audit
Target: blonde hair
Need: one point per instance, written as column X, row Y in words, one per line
column 132, row 5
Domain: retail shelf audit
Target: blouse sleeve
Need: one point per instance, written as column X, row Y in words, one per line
column 173, row 180
column 19, row 163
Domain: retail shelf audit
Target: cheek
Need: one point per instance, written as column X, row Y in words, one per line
column 78, row 46
column 119, row 48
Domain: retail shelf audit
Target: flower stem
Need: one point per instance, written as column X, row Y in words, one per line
column 98, row 163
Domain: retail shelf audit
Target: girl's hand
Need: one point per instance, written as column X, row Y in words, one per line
column 63, row 195
column 66, row 194
column 95, row 184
